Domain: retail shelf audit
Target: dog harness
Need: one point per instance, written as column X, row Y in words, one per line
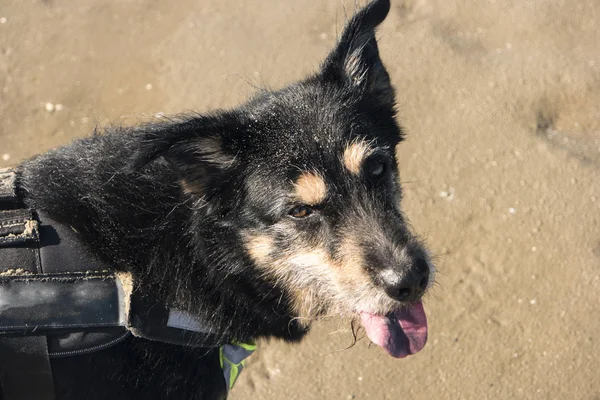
column 57, row 299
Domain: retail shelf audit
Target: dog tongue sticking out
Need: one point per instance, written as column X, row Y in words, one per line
column 400, row 333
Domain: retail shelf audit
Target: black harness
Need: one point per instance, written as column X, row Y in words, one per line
column 58, row 299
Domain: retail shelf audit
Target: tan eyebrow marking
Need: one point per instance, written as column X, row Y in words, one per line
column 310, row 188
column 355, row 154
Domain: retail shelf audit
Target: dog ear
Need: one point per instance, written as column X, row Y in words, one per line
column 196, row 148
column 355, row 61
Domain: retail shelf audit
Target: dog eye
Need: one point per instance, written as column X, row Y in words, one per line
column 376, row 167
column 301, row 211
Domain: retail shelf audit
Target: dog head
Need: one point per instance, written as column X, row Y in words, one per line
column 306, row 177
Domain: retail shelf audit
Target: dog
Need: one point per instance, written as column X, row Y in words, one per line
column 258, row 219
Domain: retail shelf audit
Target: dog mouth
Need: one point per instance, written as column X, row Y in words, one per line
column 400, row 333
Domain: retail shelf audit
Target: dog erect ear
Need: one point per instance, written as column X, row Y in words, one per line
column 194, row 147
column 355, row 60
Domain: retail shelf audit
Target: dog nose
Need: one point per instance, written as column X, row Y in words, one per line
column 411, row 285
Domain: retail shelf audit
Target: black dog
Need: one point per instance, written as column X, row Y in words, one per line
column 258, row 220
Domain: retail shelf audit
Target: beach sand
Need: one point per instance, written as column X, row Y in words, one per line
column 500, row 101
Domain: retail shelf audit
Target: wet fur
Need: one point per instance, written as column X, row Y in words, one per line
column 180, row 202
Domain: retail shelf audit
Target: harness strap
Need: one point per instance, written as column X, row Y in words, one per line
column 25, row 368
column 25, row 371
column 38, row 302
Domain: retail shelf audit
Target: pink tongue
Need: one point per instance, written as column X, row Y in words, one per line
column 400, row 333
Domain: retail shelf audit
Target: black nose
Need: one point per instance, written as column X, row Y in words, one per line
column 409, row 285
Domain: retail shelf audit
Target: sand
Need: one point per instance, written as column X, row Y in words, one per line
column 501, row 104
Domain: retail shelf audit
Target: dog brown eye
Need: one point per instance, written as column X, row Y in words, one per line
column 302, row 211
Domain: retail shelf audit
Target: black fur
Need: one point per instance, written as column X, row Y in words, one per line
column 155, row 201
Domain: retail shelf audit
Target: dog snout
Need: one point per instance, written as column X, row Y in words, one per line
column 407, row 285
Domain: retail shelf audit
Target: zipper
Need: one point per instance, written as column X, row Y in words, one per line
column 91, row 349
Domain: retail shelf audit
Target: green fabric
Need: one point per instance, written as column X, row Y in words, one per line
column 232, row 358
